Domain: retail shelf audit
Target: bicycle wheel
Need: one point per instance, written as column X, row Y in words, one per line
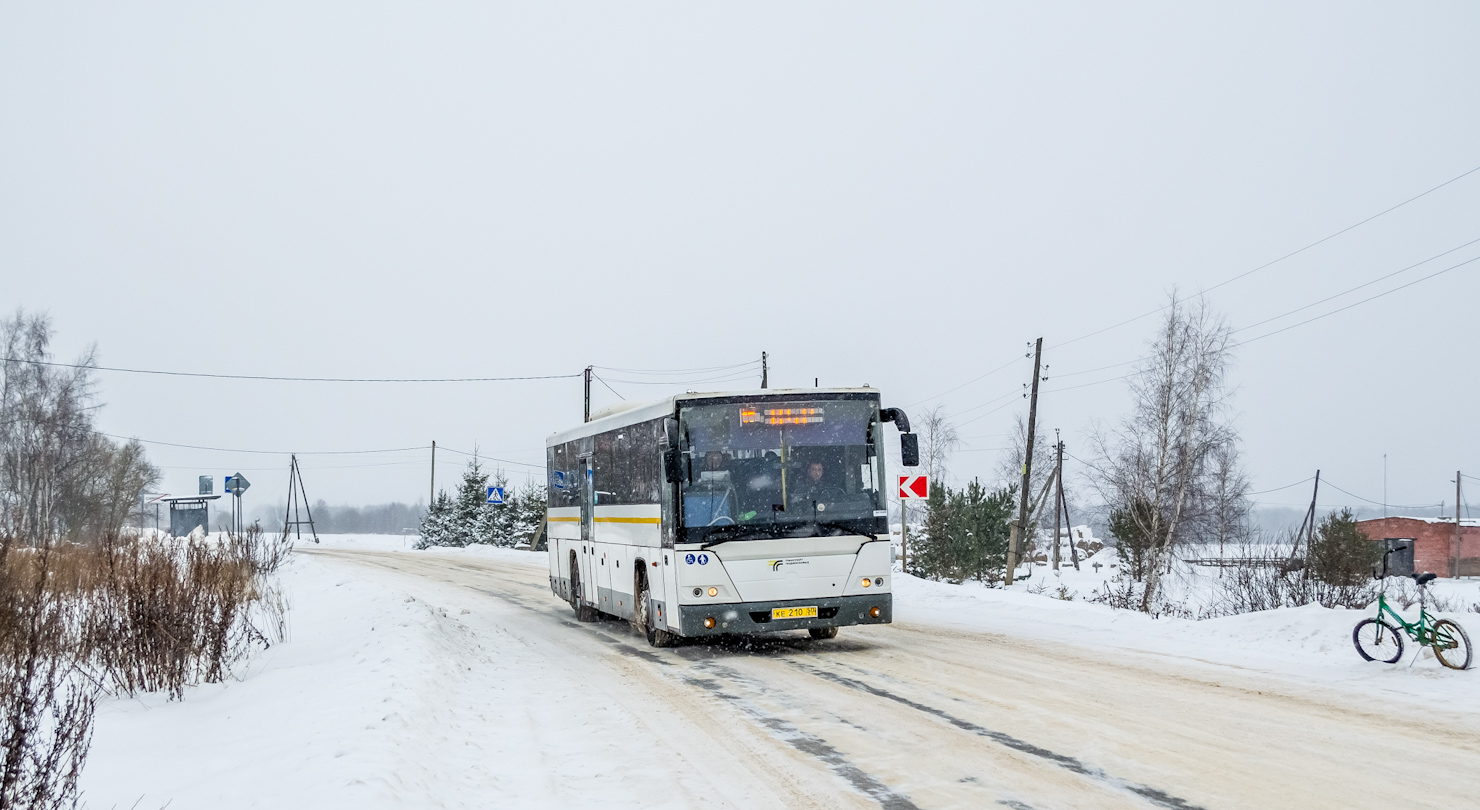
column 1451, row 645
column 1378, row 641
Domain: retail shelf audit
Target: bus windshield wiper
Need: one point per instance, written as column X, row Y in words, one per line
column 840, row 527
column 735, row 532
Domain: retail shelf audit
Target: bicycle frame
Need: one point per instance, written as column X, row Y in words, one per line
column 1421, row 631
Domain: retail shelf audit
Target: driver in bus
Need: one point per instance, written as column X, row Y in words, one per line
column 814, row 486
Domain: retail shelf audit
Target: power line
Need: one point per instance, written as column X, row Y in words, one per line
column 1360, row 286
column 290, row 379
column 260, row 452
column 1287, row 486
column 1326, row 482
column 1268, row 264
column 1359, row 303
column 608, row 387
column 490, row 458
column 679, row 371
column 968, row 382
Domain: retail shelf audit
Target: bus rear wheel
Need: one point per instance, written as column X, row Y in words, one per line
column 823, row 632
column 584, row 613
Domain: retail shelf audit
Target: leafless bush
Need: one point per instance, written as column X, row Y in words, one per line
column 263, row 552
column 1264, row 578
column 46, row 726
column 1127, row 594
column 165, row 613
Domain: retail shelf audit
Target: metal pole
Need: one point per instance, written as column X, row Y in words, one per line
column 432, row 495
column 1015, row 540
column 904, row 529
column 764, row 378
column 1058, row 499
column 587, row 376
column 1458, row 537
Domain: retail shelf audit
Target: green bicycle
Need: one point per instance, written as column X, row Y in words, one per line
column 1379, row 640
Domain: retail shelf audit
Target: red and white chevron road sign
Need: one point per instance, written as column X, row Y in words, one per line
column 914, row 486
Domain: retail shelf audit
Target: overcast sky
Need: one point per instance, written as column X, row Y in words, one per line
column 898, row 194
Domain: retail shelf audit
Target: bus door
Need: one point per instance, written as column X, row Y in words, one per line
column 590, row 560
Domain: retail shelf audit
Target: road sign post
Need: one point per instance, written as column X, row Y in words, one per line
column 236, row 485
column 910, row 488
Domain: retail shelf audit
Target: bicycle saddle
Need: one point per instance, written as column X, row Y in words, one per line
column 1424, row 579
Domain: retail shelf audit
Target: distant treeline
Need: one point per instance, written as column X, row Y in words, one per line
column 385, row 518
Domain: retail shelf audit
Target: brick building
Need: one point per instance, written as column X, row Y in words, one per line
column 1433, row 543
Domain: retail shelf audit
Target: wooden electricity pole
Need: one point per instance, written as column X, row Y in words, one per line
column 1058, row 502
column 1015, row 536
column 432, row 495
column 764, row 379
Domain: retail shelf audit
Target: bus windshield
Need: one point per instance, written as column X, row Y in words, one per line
column 780, row 468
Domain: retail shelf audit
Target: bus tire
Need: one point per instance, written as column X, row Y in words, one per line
column 821, row 633
column 642, row 619
column 584, row 613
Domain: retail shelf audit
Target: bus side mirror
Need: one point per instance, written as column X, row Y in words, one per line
column 909, row 449
column 672, row 466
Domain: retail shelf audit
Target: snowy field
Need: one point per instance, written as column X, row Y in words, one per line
column 385, row 692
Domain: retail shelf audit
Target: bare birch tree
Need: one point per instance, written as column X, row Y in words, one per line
column 1155, row 467
column 57, row 474
column 940, row 439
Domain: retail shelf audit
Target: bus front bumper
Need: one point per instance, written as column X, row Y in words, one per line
column 756, row 617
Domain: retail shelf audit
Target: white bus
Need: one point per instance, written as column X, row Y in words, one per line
column 727, row 513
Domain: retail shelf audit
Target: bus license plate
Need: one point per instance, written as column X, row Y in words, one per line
column 794, row 613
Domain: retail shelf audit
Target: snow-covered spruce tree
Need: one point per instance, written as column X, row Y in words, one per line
column 493, row 521
column 434, row 523
column 469, row 524
column 530, row 513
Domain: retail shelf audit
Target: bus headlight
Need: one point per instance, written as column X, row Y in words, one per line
column 709, row 622
column 865, row 582
column 714, row 591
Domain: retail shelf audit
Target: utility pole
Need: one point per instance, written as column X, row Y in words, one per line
column 587, row 376
column 1458, row 536
column 763, row 370
column 1308, row 526
column 1015, row 538
column 904, row 531
column 432, row 494
column 1058, row 500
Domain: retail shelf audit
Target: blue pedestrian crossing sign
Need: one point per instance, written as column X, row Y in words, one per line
column 496, row 496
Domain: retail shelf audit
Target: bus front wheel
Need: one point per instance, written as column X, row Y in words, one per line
column 642, row 617
column 823, row 632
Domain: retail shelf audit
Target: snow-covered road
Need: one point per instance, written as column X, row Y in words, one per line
column 909, row 715
column 455, row 679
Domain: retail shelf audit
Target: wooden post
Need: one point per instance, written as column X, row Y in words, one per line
column 1015, row 538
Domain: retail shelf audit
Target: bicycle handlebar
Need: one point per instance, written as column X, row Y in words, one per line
column 1384, row 560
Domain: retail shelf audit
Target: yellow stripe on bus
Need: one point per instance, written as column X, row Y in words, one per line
column 608, row 520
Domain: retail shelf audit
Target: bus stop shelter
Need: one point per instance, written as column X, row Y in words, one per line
column 188, row 514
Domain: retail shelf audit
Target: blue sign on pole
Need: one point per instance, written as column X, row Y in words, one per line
column 496, row 496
